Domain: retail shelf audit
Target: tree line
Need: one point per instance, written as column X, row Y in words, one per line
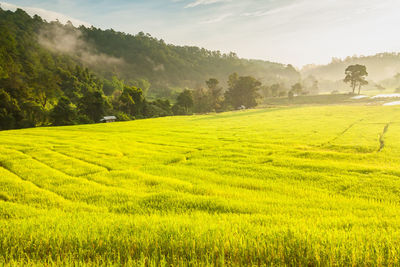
column 45, row 79
column 242, row 92
column 42, row 85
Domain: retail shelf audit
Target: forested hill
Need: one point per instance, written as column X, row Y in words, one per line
column 54, row 74
column 141, row 58
column 380, row 67
column 166, row 65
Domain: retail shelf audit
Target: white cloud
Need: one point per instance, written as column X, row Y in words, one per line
column 293, row 8
column 217, row 19
column 45, row 14
column 205, row 2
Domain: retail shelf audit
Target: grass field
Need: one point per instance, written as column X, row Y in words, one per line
column 290, row 186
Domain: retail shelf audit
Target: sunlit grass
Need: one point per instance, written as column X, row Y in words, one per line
column 293, row 186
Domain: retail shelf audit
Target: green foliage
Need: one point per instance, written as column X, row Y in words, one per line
column 242, row 91
column 158, row 108
column 63, row 113
column 202, row 100
column 37, row 82
column 355, row 76
column 142, row 84
column 10, row 112
column 215, row 92
column 93, row 105
column 132, row 101
column 184, row 103
column 109, row 87
column 163, row 65
column 208, row 99
column 121, row 116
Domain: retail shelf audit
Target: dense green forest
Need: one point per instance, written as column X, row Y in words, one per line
column 54, row 74
column 143, row 57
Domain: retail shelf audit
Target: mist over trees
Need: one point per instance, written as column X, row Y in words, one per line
column 54, row 74
column 145, row 61
column 382, row 68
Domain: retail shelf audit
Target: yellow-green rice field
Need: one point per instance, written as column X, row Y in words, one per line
column 301, row 186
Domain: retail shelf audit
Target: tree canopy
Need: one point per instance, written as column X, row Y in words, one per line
column 355, row 76
column 242, row 91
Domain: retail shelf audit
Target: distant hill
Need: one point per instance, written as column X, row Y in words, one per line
column 165, row 65
column 380, row 67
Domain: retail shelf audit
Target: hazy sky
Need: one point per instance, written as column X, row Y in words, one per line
column 288, row 31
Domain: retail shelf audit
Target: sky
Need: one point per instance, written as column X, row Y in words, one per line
column 297, row 32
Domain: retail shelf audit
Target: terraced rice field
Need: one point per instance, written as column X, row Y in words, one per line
column 295, row 186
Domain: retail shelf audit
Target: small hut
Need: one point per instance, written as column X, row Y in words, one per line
column 108, row 119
